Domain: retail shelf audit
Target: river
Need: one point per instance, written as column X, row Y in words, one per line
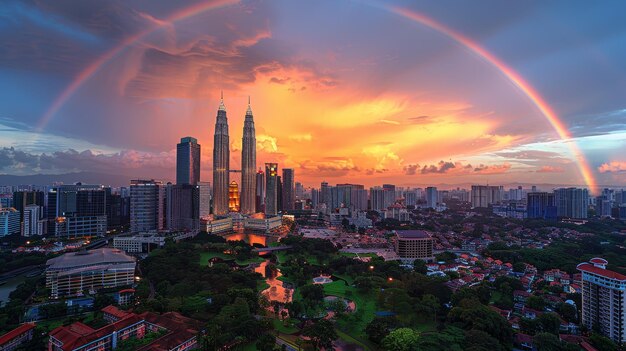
column 10, row 285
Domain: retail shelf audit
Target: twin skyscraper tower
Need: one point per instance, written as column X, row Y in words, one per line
column 221, row 163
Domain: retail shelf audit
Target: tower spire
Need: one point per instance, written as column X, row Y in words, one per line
column 249, row 110
column 222, row 107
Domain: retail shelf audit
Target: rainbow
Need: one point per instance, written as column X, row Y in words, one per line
column 545, row 109
column 96, row 65
column 509, row 73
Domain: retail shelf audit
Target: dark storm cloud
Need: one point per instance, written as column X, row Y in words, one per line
column 13, row 161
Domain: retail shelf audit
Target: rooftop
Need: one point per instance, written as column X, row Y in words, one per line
column 413, row 234
column 590, row 268
column 16, row 332
column 91, row 257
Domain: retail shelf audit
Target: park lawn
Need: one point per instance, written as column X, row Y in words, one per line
column 365, row 306
column 285, row 329
column 206, row 256
column 349, row 280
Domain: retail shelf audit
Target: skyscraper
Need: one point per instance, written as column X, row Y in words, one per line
column 271, row 189
column 540, row 205
column 248, row 164
column 221, row 161
column 571, row 202
column 288, row 189
column 182, row 207
column 147, row 205
column 485, row 195
column 260, row 191
column 431, row 197
column 77, row 210
column 188, row 161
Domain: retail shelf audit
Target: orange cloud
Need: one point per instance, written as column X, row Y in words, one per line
column 612, row 167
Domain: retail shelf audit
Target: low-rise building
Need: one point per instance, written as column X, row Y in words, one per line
column 217, row 225
column 16, row 337
column 76, row 273
column 139, row 243
column 265, row 224
column 180, row 333
column 414, row 244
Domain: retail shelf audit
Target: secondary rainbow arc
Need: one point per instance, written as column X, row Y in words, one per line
column 545, row 109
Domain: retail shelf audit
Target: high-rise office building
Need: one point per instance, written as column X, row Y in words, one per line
column 204, row 192
column 147, row 206
column 233, row 197
column 260, row 191
column 188, row 161
column 279, row 194
column 485, row 195
column 431, row 197
column 21, row 199
column 9, row 222
column 248, row 165
column 603, row 299
column 315, row 198
column 540, row 205
column 77, row 210
column 605, row 203
column 288, row 189
column 324, row 193
column 271, row 189
column 410, row 198
column 32, row 223
column 182, row 207
column 571, row 202
column 299, row 191
column 221, row 161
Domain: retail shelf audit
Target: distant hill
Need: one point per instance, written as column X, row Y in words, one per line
column 114, row 180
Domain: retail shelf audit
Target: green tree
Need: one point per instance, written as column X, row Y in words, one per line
column 536, row 303
column 401, row 339
column 547, row 342
column 550, row 323
column 419, row 266
column 322, row 334
column 478, row 340
column 266, row 342
column 378, row 328
column 568, row 312
column 602, row 343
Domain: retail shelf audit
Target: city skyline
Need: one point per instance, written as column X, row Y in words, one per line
column 420, row 120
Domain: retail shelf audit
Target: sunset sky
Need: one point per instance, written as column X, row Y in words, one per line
column 407, row 92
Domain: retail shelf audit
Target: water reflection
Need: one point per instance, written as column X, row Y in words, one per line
column 277, row 291
column 251, row 238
